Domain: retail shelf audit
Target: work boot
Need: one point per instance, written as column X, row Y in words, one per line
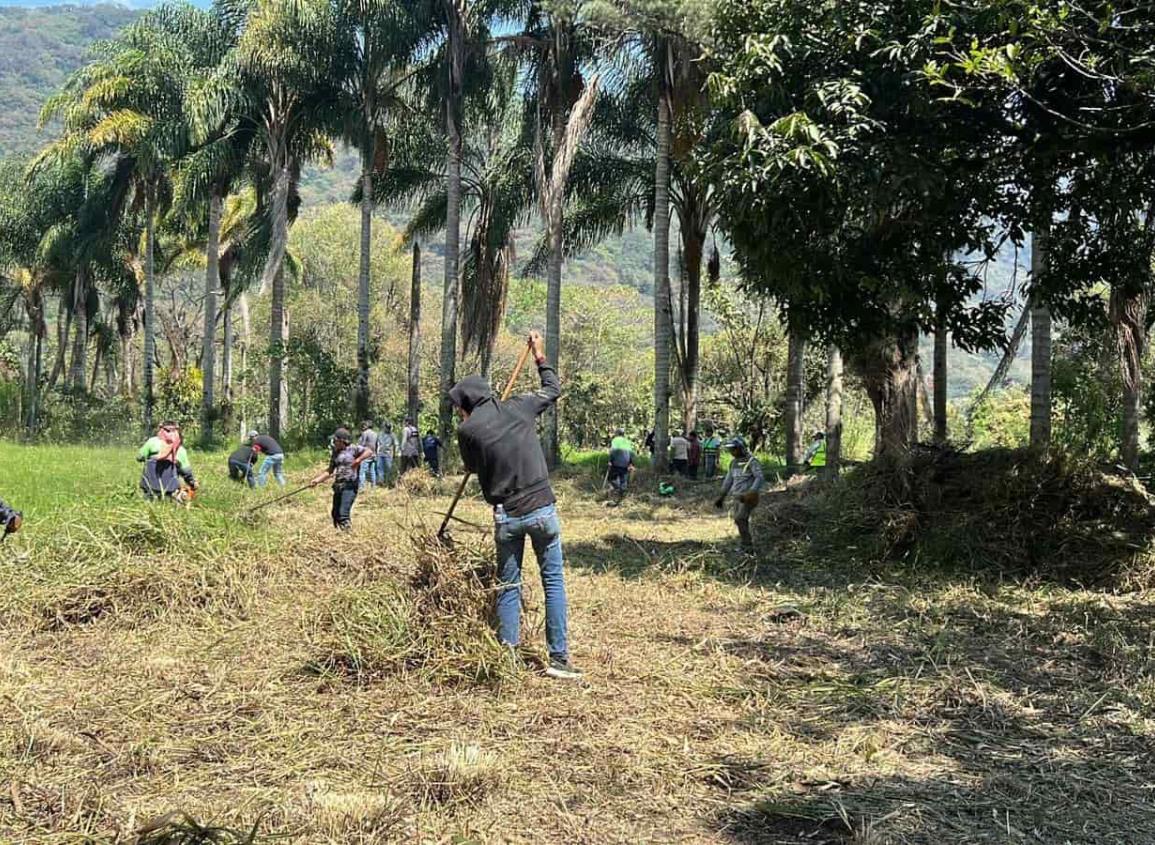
column 562, row 669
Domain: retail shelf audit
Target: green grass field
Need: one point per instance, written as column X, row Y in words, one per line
column 340, row 689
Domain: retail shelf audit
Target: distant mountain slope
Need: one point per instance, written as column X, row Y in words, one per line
column 39, row 47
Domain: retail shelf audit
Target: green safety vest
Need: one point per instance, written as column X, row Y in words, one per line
column 819, row 459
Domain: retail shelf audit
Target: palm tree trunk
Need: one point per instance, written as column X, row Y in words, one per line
column 63, row 328
column 693, row 242
column 149, row 312
column 246, row 345
column 361, row 400
column 212, row 285
column 274, row 277
column 37, row 329
column 795, row 401
column 414, row 403
column 227, row 353
column 79, row 367
column 663, row 319
column 449, row 306
column 555, row 222
column 1040, row 353
column 833, row 412
column 97, row 358
column 941, row 344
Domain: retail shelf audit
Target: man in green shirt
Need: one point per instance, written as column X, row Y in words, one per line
column 166, row 465
column 815, row 456
column 621, row 463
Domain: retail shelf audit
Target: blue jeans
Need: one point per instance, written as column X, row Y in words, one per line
column 384, row 469
column 368, row 473
column 274, row 463
column 543, row 528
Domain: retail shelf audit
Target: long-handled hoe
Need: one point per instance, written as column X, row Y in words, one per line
column 442, row 532
column 280, row 498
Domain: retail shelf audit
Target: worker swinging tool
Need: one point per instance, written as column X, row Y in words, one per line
column 443, row 531
column 499, row 442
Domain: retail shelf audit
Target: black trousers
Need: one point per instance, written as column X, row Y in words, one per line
column 343, row 497
column 241, row 472
column 619, row 478
column 409, row 462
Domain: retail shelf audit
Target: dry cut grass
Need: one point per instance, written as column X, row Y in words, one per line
column 323, row 688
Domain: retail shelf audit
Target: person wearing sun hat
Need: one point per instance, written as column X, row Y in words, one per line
column 744, row 481
column 345, row 461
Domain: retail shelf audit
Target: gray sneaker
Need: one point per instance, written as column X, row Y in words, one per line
column 563, row 669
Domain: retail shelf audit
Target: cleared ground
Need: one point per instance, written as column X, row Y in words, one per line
column 161, row 660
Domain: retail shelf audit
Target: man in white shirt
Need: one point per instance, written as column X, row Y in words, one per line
column 680, row 454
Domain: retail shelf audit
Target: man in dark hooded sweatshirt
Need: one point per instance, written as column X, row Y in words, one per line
column 499, row 443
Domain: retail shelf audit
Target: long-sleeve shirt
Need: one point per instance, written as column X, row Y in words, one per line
column 386, row 445
column 163, row 476
column 499, row 442
column 745, row 476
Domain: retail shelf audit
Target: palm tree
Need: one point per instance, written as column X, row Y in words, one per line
column 129, row 106
column 497, row 195
column 557, row 46
column 282, row 81
column 384, row 37
column 614, row 178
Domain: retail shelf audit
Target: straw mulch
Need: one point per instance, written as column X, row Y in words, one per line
column 779, row 699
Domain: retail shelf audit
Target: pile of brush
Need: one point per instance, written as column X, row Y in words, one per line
column 439, row 624
column 996, row 512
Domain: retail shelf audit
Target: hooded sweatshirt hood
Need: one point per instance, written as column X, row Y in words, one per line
column 468, row 393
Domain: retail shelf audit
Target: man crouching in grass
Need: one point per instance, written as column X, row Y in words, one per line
column 498, row 442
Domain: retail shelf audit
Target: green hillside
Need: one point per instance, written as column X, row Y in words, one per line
column 39, row 47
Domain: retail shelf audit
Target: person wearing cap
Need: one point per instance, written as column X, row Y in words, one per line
column 621, row 463
column 10, row 520
column 263, row 444
column 499, row 443
column 815, row 456
column 744, row 481
column 241, row 462
column 345, row 462
column 167, row 470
